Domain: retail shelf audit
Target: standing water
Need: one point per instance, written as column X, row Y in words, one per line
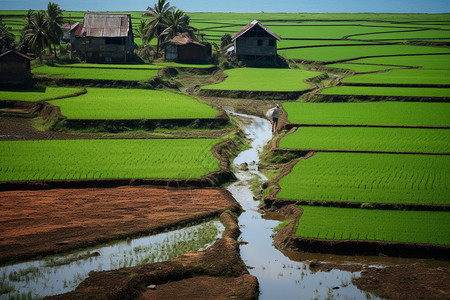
column 278, row 275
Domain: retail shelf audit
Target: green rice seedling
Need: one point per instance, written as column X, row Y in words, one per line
column 373, row 113
column 437, row 62
column 424, row 227
column 38, row 93
column 103, row 103
column 403, row 76
column 260, row 79
column 369, row 178
column 95, row 159
column 369, row 139
column 94, row 73
column 337, row 53
column 387, row 91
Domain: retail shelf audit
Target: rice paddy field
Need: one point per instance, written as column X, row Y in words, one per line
column 370, row 178
column 370, row 113
column 259, row 79
column 38, row 93
column 95, row 73
column 387, row 91
column 412, row 49
column 118, row 104
column 422, row 227
column 106, row 159
column 403, row 76
column 369, row 139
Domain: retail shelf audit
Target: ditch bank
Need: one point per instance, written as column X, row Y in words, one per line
column 216, row 273
column 47, row 222
column 262, row 95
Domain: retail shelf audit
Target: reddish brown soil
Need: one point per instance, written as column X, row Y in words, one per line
column 52, row 221
column 406, row 282
column 216, row 273
column 205, row 287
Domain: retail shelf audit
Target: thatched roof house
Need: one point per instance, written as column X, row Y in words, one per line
column 105, row 38
column 255, row 42
column 15, row 70
column 183, row 48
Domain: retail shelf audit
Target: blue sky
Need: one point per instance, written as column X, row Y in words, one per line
column 309, row 6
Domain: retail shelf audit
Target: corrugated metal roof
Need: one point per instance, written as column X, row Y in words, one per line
column 250, row 26
column 14, row 52
column 106, row 25
column 70, row 27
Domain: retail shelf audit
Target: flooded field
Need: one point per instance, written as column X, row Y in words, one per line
column 63, row 273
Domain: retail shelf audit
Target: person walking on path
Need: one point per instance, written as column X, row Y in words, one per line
column 275, row 118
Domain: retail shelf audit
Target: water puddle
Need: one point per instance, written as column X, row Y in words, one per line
column 63, row 273
column 277, row 274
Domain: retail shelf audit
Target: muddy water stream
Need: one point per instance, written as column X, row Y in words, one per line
column 278, row 275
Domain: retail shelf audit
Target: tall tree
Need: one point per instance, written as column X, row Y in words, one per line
column 53, row 21
column 156, row 22
column 6, row 37
column 36, row 34
column 141, row 31
column 177, row 22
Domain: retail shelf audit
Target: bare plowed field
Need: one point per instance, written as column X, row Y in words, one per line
column 36, row 223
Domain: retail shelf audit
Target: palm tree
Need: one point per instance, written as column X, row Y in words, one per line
column 36, row 34
column 157, row 23
column 141, row 31
column 177, row 22
column 54, row 20
column 6, row 37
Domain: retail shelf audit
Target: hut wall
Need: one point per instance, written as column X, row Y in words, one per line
column 15, row 71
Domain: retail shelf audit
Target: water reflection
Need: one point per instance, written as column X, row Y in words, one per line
column 63, row 273
column 278, row 275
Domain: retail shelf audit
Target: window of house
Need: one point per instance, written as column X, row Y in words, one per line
column 260, row 42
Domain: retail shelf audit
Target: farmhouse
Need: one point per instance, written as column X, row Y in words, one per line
column 183, row 48
column 69, row 30
column 255, row 42
column 105, row 38
column 15, row 70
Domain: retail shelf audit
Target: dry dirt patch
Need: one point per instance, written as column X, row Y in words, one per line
column 43, row 222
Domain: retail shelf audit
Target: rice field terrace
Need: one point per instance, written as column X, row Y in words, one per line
column 403, row 76
column 118, row 104
column 106, row 159
column 369, row 139
column 369, row 178
column 259, row 79
column 404, row 92
column 370, row 113
column 422, row 227
column 39, row 93
column 95, row 73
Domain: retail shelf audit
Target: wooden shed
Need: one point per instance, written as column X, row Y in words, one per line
column 15, row 70
column 105, row 38
column 183, row 48
column 255, row 42
column 69, row 31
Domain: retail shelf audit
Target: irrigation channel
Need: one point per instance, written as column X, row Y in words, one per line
column 279, row 274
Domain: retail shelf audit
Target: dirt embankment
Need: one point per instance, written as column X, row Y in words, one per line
column 216, row 273
column 34, row 222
